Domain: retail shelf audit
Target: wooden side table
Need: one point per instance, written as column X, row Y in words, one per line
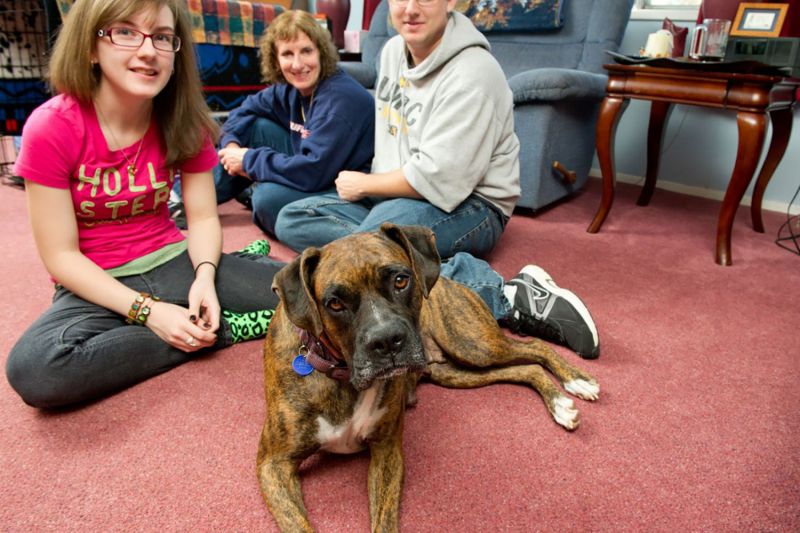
column 752, row 96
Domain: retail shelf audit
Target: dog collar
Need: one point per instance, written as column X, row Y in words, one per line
column 321, row 357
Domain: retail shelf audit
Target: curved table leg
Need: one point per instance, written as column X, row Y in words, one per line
column 659, row 113
column 610, row 111
column 781, row 131
column 752, row 130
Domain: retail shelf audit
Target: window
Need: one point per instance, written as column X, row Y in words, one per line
column 659, row 9
column 668, row 4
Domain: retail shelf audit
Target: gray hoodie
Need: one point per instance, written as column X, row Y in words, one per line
column 449, row 121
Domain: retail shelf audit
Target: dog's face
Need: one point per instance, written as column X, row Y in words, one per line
column 364, row 293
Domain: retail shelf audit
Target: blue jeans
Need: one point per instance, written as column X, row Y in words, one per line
column 78, row 351
column 473, row 226
column 476, row 274
column 268, row 198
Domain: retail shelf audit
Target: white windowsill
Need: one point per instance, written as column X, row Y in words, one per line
column 660, row 14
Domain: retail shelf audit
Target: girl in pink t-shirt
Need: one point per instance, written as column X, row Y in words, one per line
column 134, row 297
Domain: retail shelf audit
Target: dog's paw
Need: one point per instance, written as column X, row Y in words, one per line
column 583, row 389
column 565, row 414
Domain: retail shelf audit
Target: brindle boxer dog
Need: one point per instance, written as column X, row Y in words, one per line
column 360, row 320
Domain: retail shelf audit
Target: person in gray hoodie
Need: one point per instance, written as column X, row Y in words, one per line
column 446, row 157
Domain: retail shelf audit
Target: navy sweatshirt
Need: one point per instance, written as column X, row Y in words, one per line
column 337, row 134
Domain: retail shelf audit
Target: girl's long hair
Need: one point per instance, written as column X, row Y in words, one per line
column 180, row 108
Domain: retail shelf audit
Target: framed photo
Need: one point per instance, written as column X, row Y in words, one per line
column 759, row 20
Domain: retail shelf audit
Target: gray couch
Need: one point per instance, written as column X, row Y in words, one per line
column 558, row 83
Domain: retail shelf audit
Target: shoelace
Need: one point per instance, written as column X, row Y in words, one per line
column 534, row 327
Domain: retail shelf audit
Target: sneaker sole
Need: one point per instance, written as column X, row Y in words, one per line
column 545, row 279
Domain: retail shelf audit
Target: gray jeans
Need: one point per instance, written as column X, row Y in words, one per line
column 78, row 351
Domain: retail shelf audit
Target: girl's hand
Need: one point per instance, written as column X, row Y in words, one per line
column 172, row 324
column 205, row 243
column 203, row 303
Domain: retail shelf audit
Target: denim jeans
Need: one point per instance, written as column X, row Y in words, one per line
column 476, row 274
column 472, row 227
column 268, row 198
column 78, row 351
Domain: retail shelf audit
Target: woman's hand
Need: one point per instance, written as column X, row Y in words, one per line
column 349, row 185
column 173, row 325
column 232, row 159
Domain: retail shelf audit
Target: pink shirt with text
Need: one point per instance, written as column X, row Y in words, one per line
column 121, row 216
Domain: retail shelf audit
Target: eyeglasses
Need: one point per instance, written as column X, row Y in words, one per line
column 130, row 38
column 403, row 3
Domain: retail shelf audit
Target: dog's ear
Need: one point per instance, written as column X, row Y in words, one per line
column 419, row 243
column 293, row 285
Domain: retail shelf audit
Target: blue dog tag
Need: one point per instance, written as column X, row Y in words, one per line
column 301, row 366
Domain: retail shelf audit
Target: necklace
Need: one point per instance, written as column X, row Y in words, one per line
column 131, row 166
column 310, row 105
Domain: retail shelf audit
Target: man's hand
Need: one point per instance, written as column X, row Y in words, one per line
column 232, row 157
column 350, row 185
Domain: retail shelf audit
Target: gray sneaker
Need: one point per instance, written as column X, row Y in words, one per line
column 543, row 309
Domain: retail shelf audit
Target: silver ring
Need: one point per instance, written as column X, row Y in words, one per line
column 190, row 341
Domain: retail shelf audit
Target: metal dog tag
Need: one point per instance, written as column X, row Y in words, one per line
column 301, row 366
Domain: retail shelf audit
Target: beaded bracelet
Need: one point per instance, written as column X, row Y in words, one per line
column 201, row 263
column 140, row 308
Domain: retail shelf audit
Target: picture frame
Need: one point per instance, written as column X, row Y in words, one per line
column 759, row 20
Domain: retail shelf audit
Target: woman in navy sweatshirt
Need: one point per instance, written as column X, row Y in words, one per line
column 291, row 139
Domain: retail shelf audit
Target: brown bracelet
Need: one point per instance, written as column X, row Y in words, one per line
column 135, row 307
column 140, row 308
column 201, row 263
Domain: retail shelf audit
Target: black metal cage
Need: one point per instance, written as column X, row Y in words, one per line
column 26, row 32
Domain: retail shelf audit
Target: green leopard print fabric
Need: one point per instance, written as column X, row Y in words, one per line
column 254, row 250
column 248, row 326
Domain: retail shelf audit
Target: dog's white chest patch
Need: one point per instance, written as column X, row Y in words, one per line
column 349, row 436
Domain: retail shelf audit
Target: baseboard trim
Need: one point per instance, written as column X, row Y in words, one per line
column 769, row 205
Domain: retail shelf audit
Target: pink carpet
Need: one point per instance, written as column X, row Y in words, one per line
column 697, row 426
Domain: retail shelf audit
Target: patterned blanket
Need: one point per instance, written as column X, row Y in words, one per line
column 226, row 22
column 230, row 22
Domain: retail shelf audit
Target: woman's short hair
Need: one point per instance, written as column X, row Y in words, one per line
column 286, row 27
column 180, row 108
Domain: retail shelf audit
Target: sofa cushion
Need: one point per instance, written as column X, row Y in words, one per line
column 363, row 73
column 508, row 15
column 553, row 84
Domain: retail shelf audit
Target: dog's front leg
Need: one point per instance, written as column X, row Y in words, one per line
column 385, row 482
column 280, row 485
